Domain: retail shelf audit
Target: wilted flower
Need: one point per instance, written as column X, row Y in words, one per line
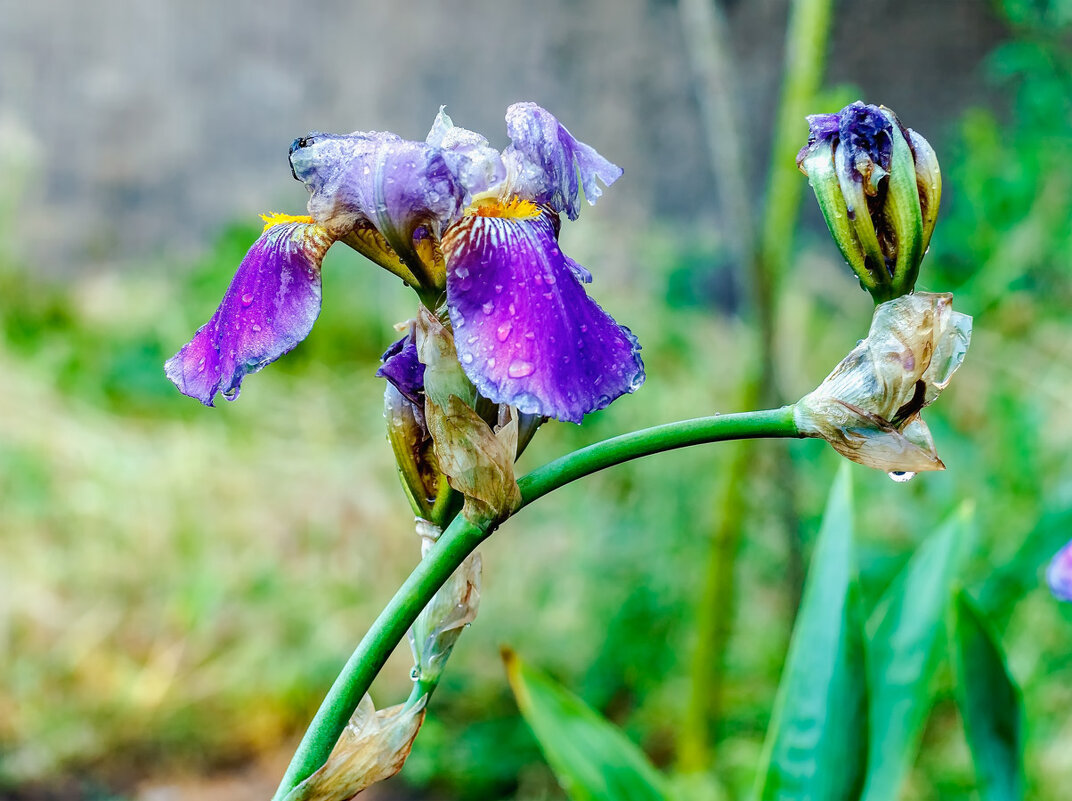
column 1059, row 574
column 460, row 222
column 878, row 185
column 869, row 407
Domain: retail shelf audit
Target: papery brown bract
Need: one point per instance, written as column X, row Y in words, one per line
column 373, row 747
column 869, row 407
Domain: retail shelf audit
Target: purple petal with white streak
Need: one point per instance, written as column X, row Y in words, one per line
column 1059, row 574
column 544, row 160
column 270, row 307
column 525, row 331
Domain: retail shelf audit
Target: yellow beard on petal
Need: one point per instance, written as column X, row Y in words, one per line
column 273, row 219
column 516, row 208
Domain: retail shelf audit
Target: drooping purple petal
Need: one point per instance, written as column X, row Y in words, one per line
column 270, row 307
column 544, row 160
column 403, row 369
column 1059, row 574
column 525, row 331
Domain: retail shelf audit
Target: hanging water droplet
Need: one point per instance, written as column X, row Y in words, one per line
column 902, row 476
column 519, row 368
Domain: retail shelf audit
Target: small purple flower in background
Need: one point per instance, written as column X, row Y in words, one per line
column 1059, row 574
column 462, row 223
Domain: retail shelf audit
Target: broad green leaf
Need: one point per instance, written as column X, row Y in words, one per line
column 592, row 759
column 817, row 741
column 904, row 653
column 989, row 703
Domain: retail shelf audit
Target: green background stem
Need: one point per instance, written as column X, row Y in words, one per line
column 462, row 537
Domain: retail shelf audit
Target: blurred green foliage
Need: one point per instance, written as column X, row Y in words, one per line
column 180, row 584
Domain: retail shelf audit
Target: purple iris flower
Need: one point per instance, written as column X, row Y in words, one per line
column 1059, row 574
column 468, row 226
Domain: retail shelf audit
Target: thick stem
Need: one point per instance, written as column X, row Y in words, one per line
column 462, row 537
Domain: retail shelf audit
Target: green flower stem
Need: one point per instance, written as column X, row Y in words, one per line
column 462, row 537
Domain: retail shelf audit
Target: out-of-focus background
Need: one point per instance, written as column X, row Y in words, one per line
column 179, row 585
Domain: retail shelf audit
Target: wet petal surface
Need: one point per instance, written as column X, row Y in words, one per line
column 525, row 331
column 270, row 307
column 544, row 160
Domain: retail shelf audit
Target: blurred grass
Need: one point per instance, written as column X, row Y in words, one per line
column 179, row 585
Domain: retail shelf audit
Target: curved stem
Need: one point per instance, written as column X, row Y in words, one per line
column 463, row 536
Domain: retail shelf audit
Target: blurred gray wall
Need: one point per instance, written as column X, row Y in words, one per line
column 131, row 130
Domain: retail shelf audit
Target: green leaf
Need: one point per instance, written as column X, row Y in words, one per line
column 817, row 741
column 989, row 703
column 592, row 759
column 904, row 654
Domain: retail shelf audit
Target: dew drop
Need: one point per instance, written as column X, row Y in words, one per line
column 247, row 298
column 415, row 674
column 498, row 289
column 512, row 309
column 550, row 279
column 201, row 365
column 488, row 307
column 462, row 272
column 467, row 358
column 519, row 368
column 255, row 327
column 504, row 331
column 902, row 476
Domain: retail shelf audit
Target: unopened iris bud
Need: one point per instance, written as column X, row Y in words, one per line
column 878, row 186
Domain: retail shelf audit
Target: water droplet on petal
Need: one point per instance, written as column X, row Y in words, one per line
column 519, row 368
column 247, row 298
column 902, row 476
column 467, row 358
column 488, row 307
column 504, row 331
column 256, row 327
column 462, row 272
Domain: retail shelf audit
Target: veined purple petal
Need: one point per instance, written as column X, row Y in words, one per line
column 397, row 186
column 1059, row 574
column 544, row 160
column 403, row 369
column 525, row 331
column 270, row 307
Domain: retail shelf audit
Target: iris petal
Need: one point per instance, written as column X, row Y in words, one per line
column 544, row 160
column 270, row 307
column 403, row 369
column 525, row 331
column 398, row 186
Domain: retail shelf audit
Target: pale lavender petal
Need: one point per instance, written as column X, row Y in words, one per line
column 403, row 369
column 477, row 166
column 544, row 160
column 525, row 331
column 397, row 186
column 270, row 307
column 1059, row 574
